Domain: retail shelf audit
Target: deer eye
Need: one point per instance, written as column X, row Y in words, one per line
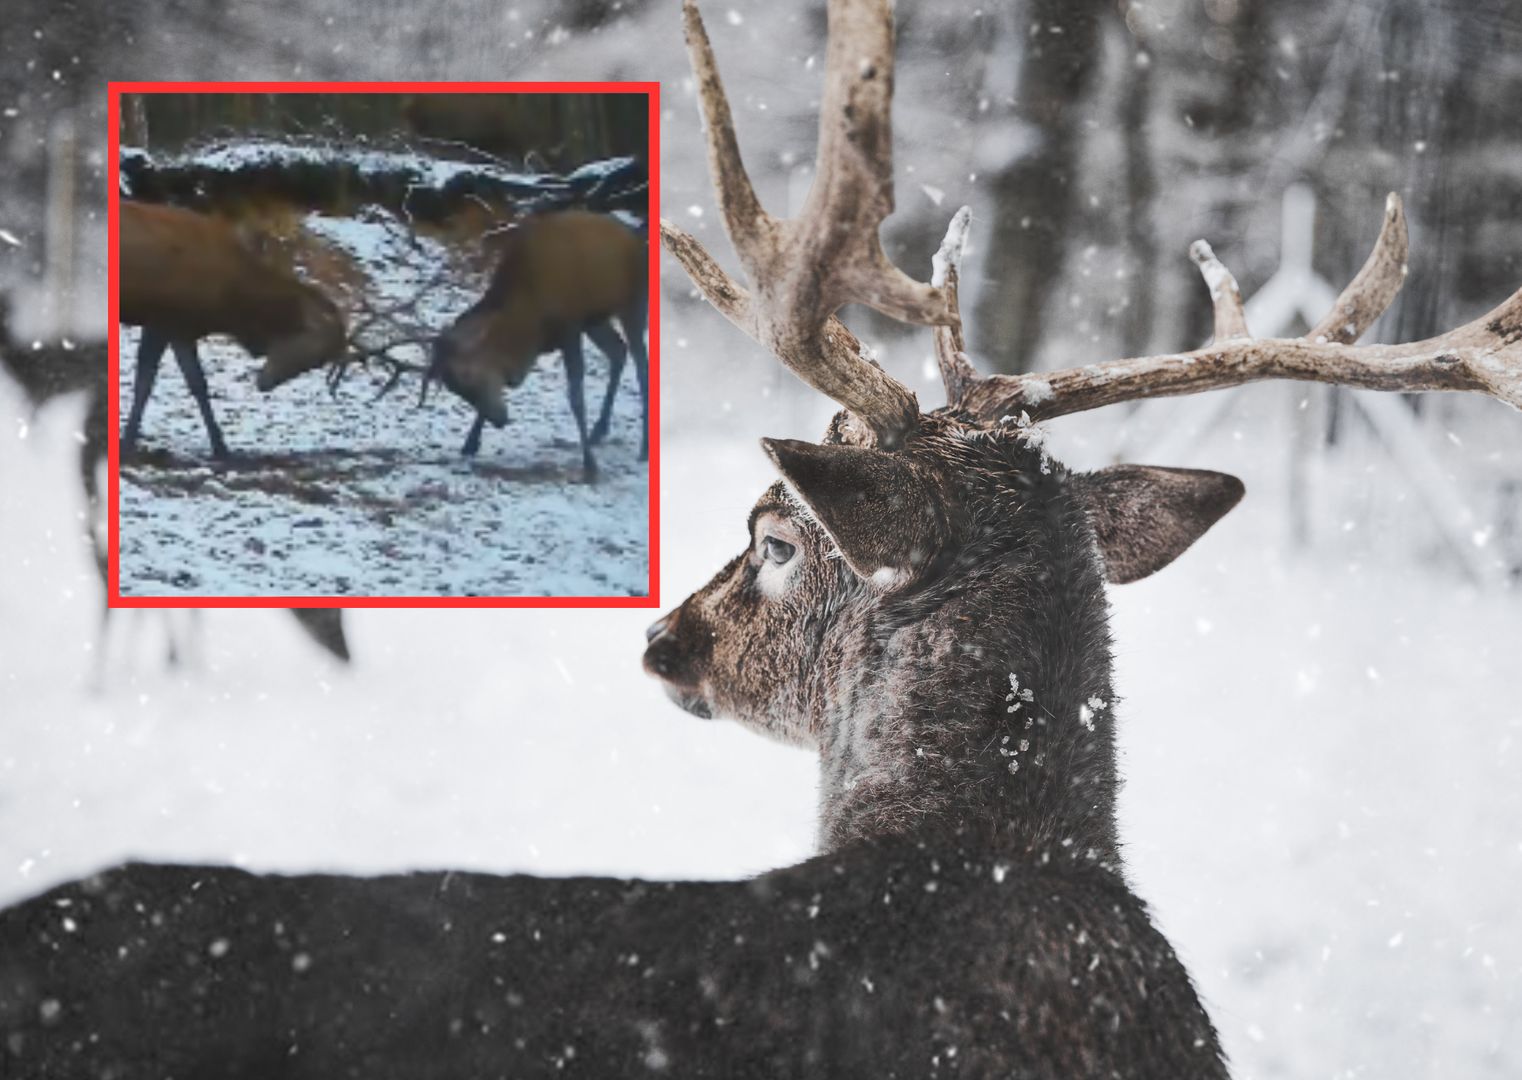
column 775, row 551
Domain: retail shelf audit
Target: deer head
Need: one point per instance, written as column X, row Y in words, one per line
column 464, row 360
column 921, row 596
column 315, row 337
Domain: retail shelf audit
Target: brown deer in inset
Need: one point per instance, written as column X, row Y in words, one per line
column 922, row 600
column 183, row 276
column 561, row 275
column 47, row 371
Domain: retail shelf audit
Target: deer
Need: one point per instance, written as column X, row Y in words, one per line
column 49, row 371
column 184, row 276
column 921, row 600
column 561, row 275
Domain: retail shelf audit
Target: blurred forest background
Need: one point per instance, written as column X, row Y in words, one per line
column 1094, row 139
column 1322, row 729
column 1086, row 134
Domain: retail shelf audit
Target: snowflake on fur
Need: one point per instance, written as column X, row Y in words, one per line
column 1017, row 697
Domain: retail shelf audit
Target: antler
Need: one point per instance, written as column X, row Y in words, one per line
column 1484, row 356
column 402, row 334
column 804, row 269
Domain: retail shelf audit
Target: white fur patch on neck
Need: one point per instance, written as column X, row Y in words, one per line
column 889, row 577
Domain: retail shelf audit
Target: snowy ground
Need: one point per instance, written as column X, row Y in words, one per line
column 354, row 498
column 1323, row 752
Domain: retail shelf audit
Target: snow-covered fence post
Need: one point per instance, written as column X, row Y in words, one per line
column 59, row 267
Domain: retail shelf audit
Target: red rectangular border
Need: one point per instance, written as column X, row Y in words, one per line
column 114, row 90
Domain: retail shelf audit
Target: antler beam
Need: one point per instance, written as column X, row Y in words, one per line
column 1484, row 356
column 398, row 325
column 802, row 270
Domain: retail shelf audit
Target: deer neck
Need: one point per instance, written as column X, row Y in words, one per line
column 978, row 710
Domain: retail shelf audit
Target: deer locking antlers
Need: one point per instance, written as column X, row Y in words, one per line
column 802, row 270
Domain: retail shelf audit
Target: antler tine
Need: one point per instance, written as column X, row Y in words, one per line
column 1484, row 356
column 748, row 224
column 852, row 191
column 1373, row 289
column 957, row 372
column 1225, row 294
column 373, row 317
column 717, row 287
column 803, row 270
column 843, row 375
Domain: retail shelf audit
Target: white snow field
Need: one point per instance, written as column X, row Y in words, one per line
column 363, row 497
column 1323, row 748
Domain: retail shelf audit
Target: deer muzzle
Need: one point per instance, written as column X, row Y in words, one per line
column 670, row 661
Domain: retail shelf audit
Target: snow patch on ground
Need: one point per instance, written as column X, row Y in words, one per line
column 354, row 497
column 432, row 172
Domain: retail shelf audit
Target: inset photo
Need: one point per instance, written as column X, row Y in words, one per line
column 384, row 343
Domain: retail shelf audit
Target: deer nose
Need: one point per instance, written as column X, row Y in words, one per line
column 657, row 628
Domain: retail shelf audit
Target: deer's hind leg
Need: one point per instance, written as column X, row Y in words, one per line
column 150, row 350
column 575, row 375
column 633, row 321
column 195, row 379
column 612, row 346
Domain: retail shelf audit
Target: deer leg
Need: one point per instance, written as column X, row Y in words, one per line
column 473, row 440
column 92, row 451
column 634, row 332
column 150, row 350
column 575, row 372
column 195, row 379
column 612, row 346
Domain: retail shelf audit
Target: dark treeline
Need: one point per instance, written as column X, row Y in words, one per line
column 557, row 132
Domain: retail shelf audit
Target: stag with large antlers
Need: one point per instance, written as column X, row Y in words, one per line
column 184, row 275
column 921, row 600
column 561, row 275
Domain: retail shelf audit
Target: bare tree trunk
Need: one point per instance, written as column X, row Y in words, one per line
column 60, row 266
column 1037, row 194
column 134, row 121
column 1141, row 204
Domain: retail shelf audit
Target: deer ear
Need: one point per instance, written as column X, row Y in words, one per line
column 885, row 518
column 1145, row 516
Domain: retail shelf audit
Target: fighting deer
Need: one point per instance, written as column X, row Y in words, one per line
column 48, row 371
column 183, row 276
column 561, row 275
column 921, row 599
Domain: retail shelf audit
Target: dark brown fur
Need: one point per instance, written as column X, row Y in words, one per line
column 183, row 276
column 560, row 275
column 966, row 917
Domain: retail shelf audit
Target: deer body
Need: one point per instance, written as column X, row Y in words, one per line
column 876, row 960
column 49, row 371
column 183, row 276
column 561, row 275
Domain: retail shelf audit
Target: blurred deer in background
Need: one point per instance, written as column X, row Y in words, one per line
column 921, row 599
column 183, row 276
column 561, row 275
column 48, row 371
